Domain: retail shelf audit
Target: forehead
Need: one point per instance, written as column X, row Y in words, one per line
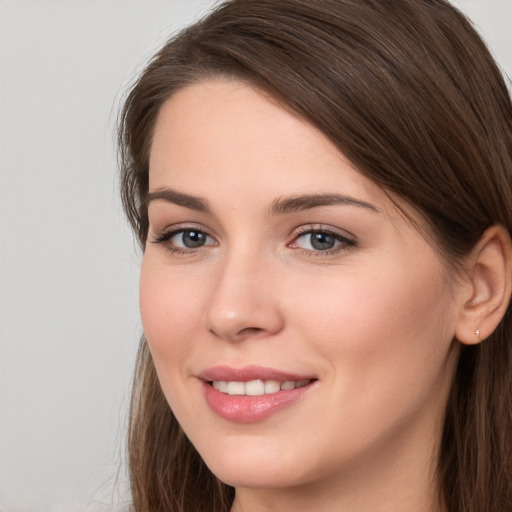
column 227, row 129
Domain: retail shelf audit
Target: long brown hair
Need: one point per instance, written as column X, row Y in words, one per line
column 408, row 91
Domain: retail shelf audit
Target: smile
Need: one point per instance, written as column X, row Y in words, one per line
column 257, row 387
column 253, row 393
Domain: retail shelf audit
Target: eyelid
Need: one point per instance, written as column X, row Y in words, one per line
column 176, row 228
column 346, row 240
column 165, row 235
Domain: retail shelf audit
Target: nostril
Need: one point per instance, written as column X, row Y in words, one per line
column 246, row 332
column 251, row 330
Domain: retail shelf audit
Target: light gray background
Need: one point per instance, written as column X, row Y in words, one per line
column 69, row 322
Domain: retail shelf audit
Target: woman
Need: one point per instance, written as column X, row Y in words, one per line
column 322, row 191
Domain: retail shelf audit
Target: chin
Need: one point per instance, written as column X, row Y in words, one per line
column 254, row 467
column 253, row 477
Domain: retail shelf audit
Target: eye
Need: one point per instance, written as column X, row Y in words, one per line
column 190, row 239
column 183, row 240
column 321, row 240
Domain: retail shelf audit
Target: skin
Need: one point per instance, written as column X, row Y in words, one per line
column 373, row 319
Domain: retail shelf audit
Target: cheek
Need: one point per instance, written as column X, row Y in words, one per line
column 387, row 343
column 170, row 311
column 387, row 322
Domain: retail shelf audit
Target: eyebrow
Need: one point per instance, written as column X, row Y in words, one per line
column 173, row 196
column 279, row 206
column 308, row 201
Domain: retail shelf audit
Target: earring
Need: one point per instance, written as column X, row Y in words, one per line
column 477, row 332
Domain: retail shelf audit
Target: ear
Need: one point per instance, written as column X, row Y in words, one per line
column 487, row 287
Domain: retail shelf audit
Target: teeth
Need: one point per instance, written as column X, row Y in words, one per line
column 289, row 384
column 221, row 385
column 272, row 386
column 236, row 388
column 257, row 387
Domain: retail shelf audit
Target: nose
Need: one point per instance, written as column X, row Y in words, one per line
column 244, row 301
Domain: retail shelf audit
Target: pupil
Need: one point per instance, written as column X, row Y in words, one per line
column 322, row 241
column 192, row 239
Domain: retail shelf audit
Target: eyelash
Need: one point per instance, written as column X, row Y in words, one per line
column 167, row 234
column 344, row 242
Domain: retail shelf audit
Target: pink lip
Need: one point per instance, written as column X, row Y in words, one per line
column 250, row 409
column 248, row 373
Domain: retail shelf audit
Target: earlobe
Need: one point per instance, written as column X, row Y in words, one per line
column 488, row 289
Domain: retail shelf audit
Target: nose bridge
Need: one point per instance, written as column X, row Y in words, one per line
column 243, row 302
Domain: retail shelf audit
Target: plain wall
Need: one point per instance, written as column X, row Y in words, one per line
column 69, row 323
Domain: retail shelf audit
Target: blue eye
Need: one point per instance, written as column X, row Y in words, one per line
column 321, row 241
column 189, row 239
column 183, row 240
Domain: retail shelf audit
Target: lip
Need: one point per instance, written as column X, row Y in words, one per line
column 251, row 409
column 248, row 373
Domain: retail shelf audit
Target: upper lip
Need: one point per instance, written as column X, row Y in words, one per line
column 248, row 373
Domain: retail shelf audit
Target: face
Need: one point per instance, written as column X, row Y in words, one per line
column 300, row 326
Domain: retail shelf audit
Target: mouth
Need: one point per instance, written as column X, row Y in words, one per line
column 253, row 393
column 257, row 387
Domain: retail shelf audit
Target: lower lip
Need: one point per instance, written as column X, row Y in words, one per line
column 250, row 409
